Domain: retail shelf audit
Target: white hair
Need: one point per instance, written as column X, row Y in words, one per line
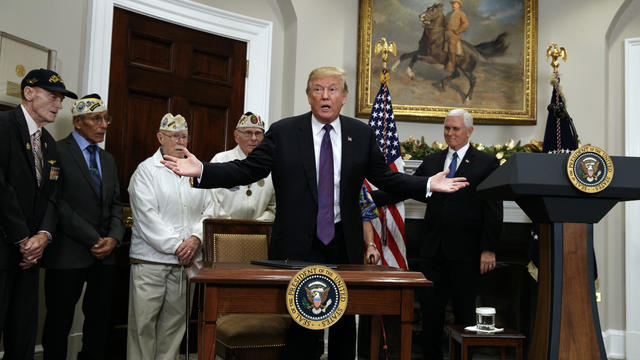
column 468, row 119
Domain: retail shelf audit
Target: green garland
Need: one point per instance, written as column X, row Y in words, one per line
column 412, row 149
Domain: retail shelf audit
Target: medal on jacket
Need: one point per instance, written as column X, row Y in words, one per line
column 261, row 182
column 28, row 146
column 249, row 192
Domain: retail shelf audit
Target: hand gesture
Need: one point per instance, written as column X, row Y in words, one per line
column 103, row 247
column 189, row 166
column 441, row 183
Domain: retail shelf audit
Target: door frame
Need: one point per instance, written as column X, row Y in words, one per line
column 257, row 33
column 632, row 208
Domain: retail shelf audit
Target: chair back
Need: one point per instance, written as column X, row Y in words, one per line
column 230, row 240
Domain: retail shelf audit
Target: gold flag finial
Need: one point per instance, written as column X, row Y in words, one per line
column 384, row 48
column 555, row 53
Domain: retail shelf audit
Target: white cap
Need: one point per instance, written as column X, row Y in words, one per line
column 173, row 123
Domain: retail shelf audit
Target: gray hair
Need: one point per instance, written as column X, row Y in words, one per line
column 468, row 119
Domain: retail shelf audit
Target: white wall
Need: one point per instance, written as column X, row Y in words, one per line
column 307, row 34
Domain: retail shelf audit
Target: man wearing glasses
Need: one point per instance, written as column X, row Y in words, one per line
column 256, row 201
column 166, row 235
column 89, row 229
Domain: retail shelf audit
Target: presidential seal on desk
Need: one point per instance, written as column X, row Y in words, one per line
column 590, row 169
column 316, row 297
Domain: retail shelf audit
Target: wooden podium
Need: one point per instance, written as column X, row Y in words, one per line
column 253, row 289
column 567, row 324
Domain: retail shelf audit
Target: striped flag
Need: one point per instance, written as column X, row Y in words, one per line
column 389, row 226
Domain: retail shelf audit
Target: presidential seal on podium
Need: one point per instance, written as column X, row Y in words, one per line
column 316, row 297
column 590, row 169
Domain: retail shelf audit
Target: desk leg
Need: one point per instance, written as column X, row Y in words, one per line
column 452, row 348
column 208, row 319
column 503, row 352
column 406, row 323
column 465, row 351
column 374, row 345
column 519, row 350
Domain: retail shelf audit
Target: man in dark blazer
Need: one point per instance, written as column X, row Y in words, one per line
column 293, row 152
column 461, row 232
column 89, row 228
column 29, row 173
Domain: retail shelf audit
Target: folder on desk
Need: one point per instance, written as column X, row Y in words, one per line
column 290, row 264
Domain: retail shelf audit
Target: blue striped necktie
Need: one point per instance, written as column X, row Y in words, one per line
column 93, row 168
column 453, row 165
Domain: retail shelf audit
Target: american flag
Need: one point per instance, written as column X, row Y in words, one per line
column 389, row 226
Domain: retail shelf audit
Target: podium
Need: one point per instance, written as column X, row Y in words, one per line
column 567, row 325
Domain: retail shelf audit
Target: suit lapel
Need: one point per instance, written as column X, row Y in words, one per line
column 346, row 156
column 307, row 153
column 81, row 163
column 465, row 163
column 106, row 180
column 21, row 123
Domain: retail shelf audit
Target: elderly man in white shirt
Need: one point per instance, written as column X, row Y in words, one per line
column 256, row 201
column 166, row 236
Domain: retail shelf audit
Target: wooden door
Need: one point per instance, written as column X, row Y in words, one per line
column 158, row 67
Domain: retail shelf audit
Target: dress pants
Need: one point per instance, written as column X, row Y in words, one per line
column 303, row 343
column 455, row 280
column 19, row 311
column 63, row 288
column 157, row 311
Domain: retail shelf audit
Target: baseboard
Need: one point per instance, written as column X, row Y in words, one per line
column 633, row 344
column 614, row 343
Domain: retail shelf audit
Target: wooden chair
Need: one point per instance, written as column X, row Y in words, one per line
column 240, row 336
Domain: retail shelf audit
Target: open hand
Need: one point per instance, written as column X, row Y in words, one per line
column 441, row 183
column 189, row 166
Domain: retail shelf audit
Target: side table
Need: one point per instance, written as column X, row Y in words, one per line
column 506, row 338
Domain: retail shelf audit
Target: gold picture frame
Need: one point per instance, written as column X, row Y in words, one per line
column 505, row 79
column 17, row 57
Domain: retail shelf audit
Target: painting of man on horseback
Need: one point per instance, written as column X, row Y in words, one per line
column 477, row 54
column 441, row 44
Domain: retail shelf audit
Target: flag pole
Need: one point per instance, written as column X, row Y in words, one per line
column 555, row 54
column 383, row 49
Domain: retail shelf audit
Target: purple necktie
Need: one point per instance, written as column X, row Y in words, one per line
column 325, row 228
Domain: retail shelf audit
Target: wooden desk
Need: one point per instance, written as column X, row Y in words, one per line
column 246, row 289
column 466, row 339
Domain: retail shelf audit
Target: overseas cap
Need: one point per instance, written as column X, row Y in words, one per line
column 250, row 120
column 173, row 123
column 91, row 103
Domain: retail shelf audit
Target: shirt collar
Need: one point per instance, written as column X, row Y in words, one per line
column 31, row 124
column 317, row 126
column 461, row 152
column 82, row 142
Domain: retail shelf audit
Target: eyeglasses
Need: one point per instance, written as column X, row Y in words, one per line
column 97, row 119
column 177, row 137
column 249, row 134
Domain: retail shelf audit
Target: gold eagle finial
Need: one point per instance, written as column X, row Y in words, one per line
column 554, row 53
column 384, row 48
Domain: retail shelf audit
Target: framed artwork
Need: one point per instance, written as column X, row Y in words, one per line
column 17, row 57
column 494, row 75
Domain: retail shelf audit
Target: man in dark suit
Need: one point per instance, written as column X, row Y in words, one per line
column 461, row 232
column 29, row 173
column 89, row 228
column 318, row 162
